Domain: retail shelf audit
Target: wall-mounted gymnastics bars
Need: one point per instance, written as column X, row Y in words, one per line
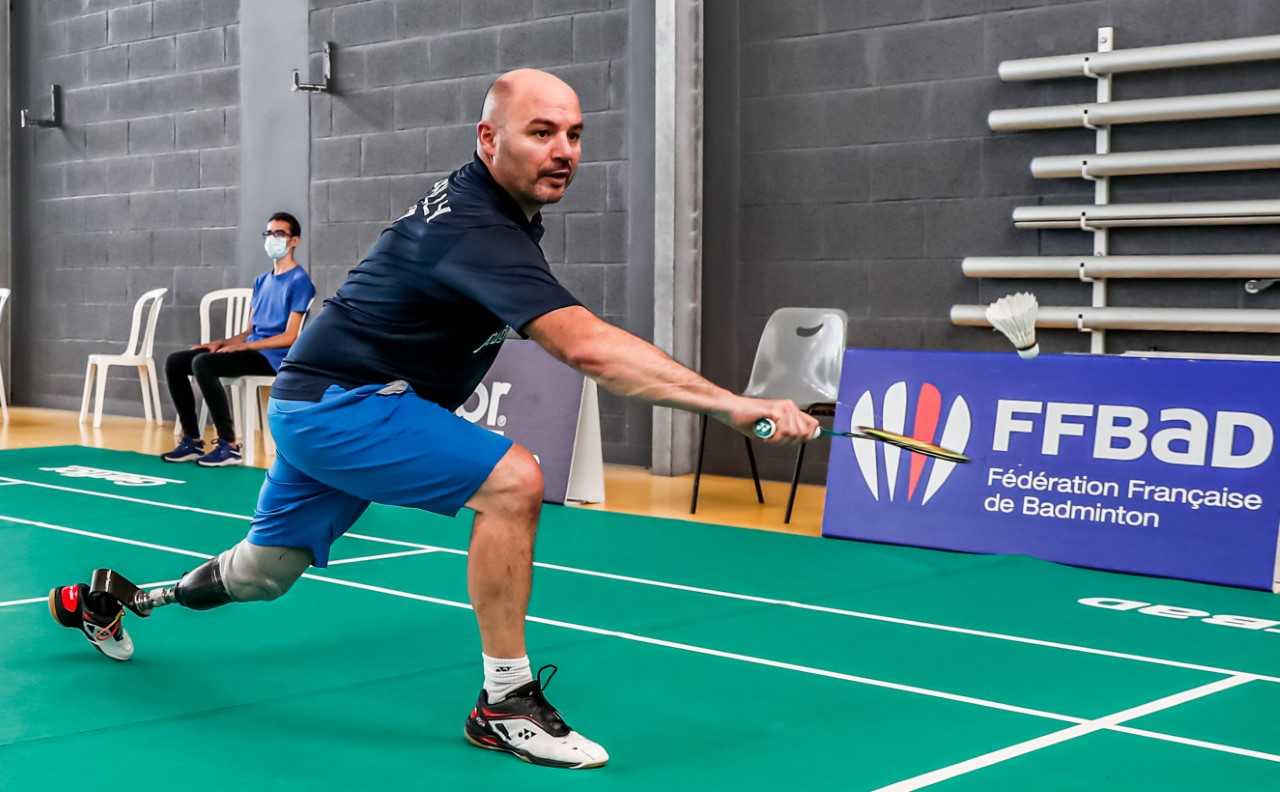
column 1102, row 164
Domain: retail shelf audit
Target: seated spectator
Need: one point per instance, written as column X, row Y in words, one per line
column 280, row 298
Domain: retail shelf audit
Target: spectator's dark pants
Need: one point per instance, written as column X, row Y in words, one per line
column 208, row 368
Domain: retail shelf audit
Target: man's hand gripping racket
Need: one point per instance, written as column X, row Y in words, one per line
column 766, row 428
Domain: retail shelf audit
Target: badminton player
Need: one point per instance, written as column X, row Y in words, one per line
column 362, row 410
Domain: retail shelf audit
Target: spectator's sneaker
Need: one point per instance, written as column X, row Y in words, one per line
column 526, row 725
column 190, row 448
column 100, row 621
column 223, row 454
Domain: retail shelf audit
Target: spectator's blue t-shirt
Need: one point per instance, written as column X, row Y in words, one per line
column 274, row 298
column 432, row 300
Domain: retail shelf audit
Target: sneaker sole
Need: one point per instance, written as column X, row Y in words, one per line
column 524, row 756
column 53, row 613
column 187, row 458
column 226, row 463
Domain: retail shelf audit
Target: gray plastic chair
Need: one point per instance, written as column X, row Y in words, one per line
column 798, row 358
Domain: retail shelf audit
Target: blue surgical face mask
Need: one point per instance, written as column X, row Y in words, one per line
column 276, row 247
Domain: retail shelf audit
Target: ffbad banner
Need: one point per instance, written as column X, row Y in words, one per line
column 1153, row 465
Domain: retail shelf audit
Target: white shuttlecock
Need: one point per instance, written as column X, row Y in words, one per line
column 1015, row 316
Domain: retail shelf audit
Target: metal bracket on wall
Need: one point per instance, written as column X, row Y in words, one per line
column 55, row 112
column 1259, row 285
column 327, row 85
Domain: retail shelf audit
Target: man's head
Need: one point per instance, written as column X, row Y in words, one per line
column 282, row 235
column 529, row 135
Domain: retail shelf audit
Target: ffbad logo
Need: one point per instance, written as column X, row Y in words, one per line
column 926, row 415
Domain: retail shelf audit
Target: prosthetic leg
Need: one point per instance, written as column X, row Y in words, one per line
column 244, row 573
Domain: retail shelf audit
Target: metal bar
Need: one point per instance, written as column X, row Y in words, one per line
column 1197, row 160
column 1137, row 111
column 1149, row 214
column 1102, row 267
column 1171, row 56
column 1084, row 317
column 1102, row 190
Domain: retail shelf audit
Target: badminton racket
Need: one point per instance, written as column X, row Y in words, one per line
column 765, row 427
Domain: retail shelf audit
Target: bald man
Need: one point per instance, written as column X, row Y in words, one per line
column 363, row 409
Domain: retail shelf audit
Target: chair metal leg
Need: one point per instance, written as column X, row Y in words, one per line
column 88, row 391
column 795, row 482
column 697, row 473
column 755, row 473
column 248, row 412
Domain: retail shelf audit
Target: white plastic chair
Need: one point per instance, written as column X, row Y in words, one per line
column 799, row 357
column 251, row 400
column 4, row 404
column 138, row 353
column 235, row 321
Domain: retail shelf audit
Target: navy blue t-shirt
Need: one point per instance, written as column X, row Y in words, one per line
column 432, row 300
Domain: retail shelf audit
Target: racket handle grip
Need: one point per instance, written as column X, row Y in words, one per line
column 765, row 427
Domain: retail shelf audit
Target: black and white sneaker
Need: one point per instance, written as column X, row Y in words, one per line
column 99, row 620
column 525, row 724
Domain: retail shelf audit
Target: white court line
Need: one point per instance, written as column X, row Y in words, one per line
column 1101, row 723
column 379, row 557
column 1071, row 733
column 1068, row 647
column 9, row 483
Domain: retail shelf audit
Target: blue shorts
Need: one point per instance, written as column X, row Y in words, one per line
column 353, row 447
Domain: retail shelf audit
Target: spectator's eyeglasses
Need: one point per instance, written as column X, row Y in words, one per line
column 277, row 234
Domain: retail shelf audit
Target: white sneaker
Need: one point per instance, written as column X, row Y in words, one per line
column 525, row 724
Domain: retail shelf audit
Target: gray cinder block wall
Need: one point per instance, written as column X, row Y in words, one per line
column 852, row 143
column 410, row 78
column 137, row 190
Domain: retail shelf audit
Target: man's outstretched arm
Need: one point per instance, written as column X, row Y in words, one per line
column 629, row 366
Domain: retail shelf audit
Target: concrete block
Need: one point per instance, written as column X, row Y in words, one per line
column 593, row 83
column 176, row 16
column 586, row 194
column 768, row 19
column 86, row 32
column 778, row 233
column 427, row 17
column 450, row 147
column 938, row 169
column 394, row 153
column 364, row 23
column 397, row 62
column 855, row 14
column 132, row 23
column 220, row 167
column 126, row 249
column 203, row 208
column 107, row 139
column 106, row 212
column 931, row 51
column 961, row 227
column 1036, row 32
column 616, row 186
column 201, row 129
column 875, row 231
column 335, row 157
column 321, row 116
column 152, row 57
column 584, row 281
column 596, row 238
column 369, row 111
column 231, row 42
column 128, row 174
column 359, row 199
column 806, row 114
column 69, row 71
column 553, row 237
column 604, row 137
column 218, row 248
column 487, row 13
column 429, row 104
column 53, row 38
column 464, row 54
column 202, row 49
column 50, row 181
column 808, row 176
column 220, row 87
column 319, row 195
column 150, row 135
column 601, row 36
column 550, row 8
column 172, row 247
column 107, row 65
column 549, row 41
column 215, row 13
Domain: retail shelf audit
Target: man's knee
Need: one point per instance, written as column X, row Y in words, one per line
column 176, row 364
column 516, row 481
column 203, row 364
